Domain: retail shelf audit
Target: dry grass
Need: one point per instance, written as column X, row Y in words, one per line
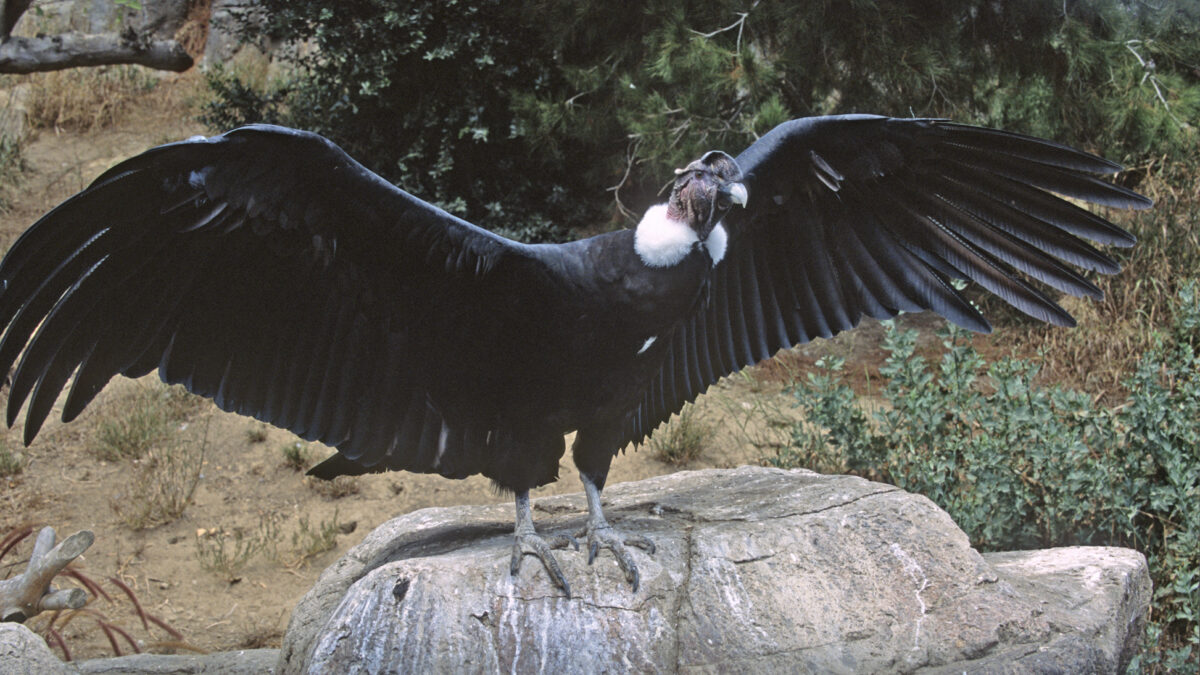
column 310, row 541
column 683, row 438
column 141, row 418
column 11, row 463
column 257, row 432
column 85, row 99
column 342, row 486
column 162, row 486
column 226, row 553
column 296, row 455
column 1098, row 354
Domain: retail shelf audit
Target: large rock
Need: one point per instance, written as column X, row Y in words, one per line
column 22, row 652
column 757, row 569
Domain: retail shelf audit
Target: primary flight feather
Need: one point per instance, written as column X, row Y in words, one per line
column 266, row 269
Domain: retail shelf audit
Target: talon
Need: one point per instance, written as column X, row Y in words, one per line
column 642, row 543
column 561, row 541
column 604, row 536
column 533, row 544
column 526, row 541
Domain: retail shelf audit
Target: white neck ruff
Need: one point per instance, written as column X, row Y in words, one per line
column 662, row 242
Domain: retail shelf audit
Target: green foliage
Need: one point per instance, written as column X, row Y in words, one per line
column 525, row 116
column 1020, row 465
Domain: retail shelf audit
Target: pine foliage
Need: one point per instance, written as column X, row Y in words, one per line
column 526, row 115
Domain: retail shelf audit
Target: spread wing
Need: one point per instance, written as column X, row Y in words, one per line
column 264, row 268
column 855, row 216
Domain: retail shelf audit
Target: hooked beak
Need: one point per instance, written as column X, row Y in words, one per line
column 738, row 194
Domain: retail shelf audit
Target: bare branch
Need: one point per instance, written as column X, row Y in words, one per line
column 73, row 50
column 30, row 594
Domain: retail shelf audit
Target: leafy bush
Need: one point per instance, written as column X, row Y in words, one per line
column 1020, row 465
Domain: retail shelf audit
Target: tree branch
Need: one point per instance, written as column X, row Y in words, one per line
column 73, row 50
column 30, row 594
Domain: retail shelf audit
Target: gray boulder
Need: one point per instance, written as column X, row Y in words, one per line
column 757, row 569
column 22, row 652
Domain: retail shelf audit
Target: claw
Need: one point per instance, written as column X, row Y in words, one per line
column 533, row 544
column 604, row 536
column 526, row 541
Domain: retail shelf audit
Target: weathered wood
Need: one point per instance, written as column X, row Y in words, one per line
column 74, row 50
column 29, row 594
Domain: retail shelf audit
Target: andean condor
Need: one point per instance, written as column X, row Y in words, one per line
column 266, row 269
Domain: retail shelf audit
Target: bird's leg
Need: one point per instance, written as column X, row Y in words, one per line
column 601, row 534
column 526, row 541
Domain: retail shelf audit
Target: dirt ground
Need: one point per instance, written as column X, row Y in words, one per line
column 244, row 477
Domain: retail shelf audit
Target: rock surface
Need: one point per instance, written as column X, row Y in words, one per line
column 757, row 569
column 22, row 652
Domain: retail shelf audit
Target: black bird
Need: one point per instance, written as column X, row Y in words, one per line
column 266, row 269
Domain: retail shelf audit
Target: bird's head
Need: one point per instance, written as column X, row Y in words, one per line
column 705, row 190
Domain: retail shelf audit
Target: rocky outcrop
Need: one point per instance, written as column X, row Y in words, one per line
column 756, row 569
column 759, row 570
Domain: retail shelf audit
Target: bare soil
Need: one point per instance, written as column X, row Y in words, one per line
column 245, row 479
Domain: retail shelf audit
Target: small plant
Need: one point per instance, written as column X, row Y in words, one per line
column 295, row 455
column 257, row 432
column 227, row 552
column 11, row 463
column 341, row 486
column 310, row 541
column 682, row 439
column 143, row 417
column 162, row 486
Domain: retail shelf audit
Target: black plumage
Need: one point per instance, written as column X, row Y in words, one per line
column 267, row 270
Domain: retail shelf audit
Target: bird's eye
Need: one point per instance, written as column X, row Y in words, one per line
column 724, row 203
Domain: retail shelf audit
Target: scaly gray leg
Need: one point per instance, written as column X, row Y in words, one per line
column 526, row 541
column 601, row 534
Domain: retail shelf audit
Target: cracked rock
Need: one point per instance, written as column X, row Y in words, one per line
column 757, row 569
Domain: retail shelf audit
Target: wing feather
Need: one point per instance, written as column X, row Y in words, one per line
column 858, row 215
column 263, row 268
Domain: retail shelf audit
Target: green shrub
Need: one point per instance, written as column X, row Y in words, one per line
column 1019, row 465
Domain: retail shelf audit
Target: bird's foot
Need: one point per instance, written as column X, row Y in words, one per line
column 532, row 543
column 602, row 535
